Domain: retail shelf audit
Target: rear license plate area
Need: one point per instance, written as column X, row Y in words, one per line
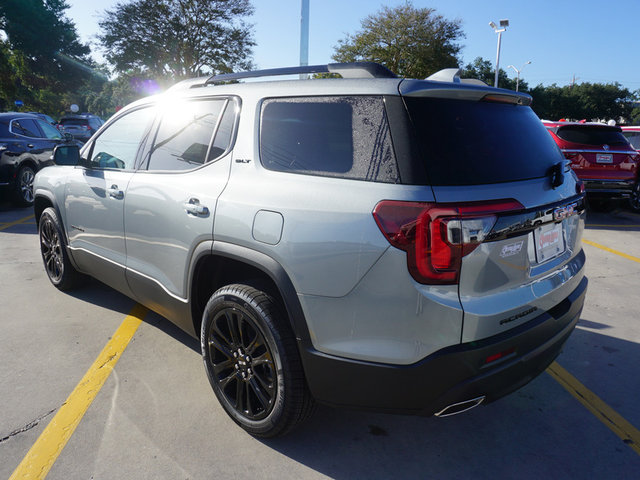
column 549, row 240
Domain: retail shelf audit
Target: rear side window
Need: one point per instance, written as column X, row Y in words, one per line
column 474, row 143
column 345, row 137
column 26, row 127
column 185, row 134
column 591, row 135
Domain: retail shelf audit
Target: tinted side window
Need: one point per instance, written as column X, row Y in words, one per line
column 49, row 131
column 118, row 145
column 184, row 135
column 344, row 137
column 26, row 127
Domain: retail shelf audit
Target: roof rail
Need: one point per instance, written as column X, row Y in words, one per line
column 346, row 70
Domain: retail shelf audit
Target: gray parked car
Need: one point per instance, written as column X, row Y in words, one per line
column 375, row 242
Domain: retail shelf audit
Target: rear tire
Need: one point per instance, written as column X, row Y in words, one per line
column 252, row 361
column 53, row 248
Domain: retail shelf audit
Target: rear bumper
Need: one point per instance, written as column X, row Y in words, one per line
column 609, row 187
column 451, row 375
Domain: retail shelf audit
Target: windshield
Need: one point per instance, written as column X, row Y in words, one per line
column 473, row 143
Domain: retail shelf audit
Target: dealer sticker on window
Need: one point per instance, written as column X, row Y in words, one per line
column 549, row 240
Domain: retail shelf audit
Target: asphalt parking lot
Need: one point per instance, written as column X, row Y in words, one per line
column 156, row 417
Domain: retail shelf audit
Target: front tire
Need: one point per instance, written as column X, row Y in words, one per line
column 54, row 253
column 24, row 186
column 252, row 361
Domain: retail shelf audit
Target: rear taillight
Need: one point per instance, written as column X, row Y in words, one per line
column 437, row 236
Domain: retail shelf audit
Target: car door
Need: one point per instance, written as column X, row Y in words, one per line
column 95, row 196
column 171, row 201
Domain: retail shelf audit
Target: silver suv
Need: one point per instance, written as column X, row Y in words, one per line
column 369, row 241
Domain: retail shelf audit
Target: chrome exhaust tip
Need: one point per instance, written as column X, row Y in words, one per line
column 460, row 407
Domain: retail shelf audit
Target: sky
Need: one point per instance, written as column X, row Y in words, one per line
column 589, row 40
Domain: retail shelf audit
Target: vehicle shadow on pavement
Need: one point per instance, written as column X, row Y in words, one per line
column 101, row 295
column 540, row 431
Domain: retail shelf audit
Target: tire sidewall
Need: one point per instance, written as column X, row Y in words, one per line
column 49, row 214
column 18, row 186
column 224, row 299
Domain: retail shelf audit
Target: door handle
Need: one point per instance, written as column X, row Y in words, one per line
column 30, row 145
column 115, row 192
column 193, row 207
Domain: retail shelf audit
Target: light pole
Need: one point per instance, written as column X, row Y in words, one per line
column 518, row 73
column 503, row 27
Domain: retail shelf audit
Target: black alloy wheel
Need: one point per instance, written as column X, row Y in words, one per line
column 54, row 255
column 242, row 363
column 634, row 199
column 24, row 185
column 252, row 362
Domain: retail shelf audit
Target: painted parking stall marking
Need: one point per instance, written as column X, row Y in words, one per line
column 4, row 226
column 43, row 454
column 603, row 412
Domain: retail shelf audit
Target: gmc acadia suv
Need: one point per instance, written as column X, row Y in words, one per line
column 368, row 241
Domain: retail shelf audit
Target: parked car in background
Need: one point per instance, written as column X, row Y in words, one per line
column 632, row 134
column 26, row 145
column 602, row 157
column 366, row 242
column 81, row 126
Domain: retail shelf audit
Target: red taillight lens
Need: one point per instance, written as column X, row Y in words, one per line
column 437, row 236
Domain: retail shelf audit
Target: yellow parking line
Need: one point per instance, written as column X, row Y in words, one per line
column 43, row 454
column 611, row 250
column 603, row 412
column 17, row 222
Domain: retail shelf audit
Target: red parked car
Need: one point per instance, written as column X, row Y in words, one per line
column 602, row 158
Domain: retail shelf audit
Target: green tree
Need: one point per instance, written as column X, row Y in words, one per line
column 412, row 42
column 41, row 56
column 484, row 70
column 588, row 101
column 178, row 38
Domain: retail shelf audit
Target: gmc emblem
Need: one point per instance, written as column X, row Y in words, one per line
column 566, row 211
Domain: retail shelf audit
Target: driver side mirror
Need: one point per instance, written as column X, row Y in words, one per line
column 67, row 137
column 66, row 155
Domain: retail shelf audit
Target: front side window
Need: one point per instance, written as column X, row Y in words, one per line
column 26, row 127
column 346, row 137
column 185, row 134
column 118, row 145
column 50, row 132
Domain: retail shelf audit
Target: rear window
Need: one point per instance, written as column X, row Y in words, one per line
column 474, row 143
column 74, row 121
column 591, row 135
column 346, row 137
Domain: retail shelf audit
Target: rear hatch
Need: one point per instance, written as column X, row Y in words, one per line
column 597, row 152
column 76, row 126
column 507, row 221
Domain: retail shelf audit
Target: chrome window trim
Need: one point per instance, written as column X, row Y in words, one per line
column 19, row 134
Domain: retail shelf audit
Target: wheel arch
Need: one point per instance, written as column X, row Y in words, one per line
column 228, row 263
